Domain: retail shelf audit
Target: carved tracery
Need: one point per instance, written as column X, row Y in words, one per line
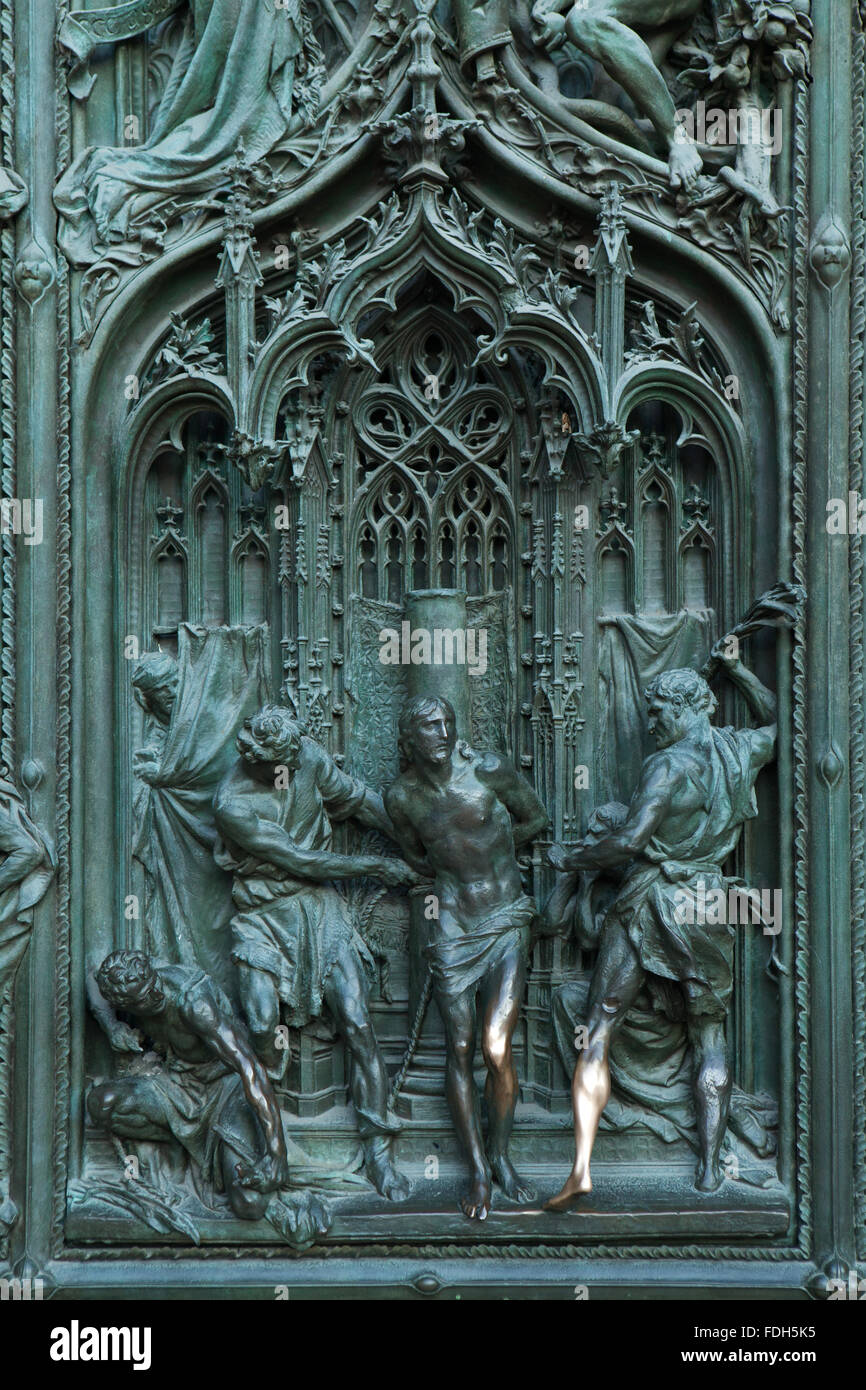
column 414, row 383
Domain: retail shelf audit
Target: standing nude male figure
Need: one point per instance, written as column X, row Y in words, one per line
column 685, row 818
column 459, row 816
column 610, row 31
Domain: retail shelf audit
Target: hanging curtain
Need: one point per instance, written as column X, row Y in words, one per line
column 633, row 651
column 221, row 682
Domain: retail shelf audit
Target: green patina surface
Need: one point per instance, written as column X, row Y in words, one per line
column 335, row 336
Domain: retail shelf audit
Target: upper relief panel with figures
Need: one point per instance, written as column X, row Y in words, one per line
column 162, row 114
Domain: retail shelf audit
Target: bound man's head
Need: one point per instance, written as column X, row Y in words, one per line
column 676, row 701
column 427, row 730
column 154, row 681
column 127, row 980
column 272, row 735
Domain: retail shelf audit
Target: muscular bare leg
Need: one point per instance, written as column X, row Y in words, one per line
column 458, row 1016
column 712, row 1098
column 260, row 1003
column 131, row 1107
column 605, row 29
column 616, row 984
column 501, row 996
column 590, row 1093
column 346, row 996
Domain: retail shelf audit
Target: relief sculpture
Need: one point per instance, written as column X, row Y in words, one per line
column 236, row 81
column 207, row 1091
column 293, row 940
column 668, row 845
column 26, row 870
column 460, row 820
column 401, row 816
column 481, row 563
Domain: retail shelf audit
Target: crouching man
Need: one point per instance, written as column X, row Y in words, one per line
column 210, row 1092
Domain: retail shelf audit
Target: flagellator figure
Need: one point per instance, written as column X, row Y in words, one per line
column 294, row 941
column 611, row 32
column 686, row 816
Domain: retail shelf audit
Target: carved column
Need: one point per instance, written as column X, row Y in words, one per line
column 42, row 600
column 825, row 560
column 611, row 264
column 444, row 609
column 239, row 276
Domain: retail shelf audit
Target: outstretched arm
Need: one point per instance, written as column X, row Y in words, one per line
column 220, row 1035
column 372, row 812
column 346, row 796
column 761, row 701
column 269, row 842
column 649, row 806
column 606, row 31
column 410, row 843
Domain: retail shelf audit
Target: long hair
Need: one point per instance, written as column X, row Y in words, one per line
column 411, row 715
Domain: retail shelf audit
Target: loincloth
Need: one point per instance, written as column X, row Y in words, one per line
column 458, row 963
column 196, row 1100
column 697, row 955
column 295, row 932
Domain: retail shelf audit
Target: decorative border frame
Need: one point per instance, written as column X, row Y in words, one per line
column 42, row 1236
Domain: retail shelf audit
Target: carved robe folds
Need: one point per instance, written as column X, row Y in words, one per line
column 188, row 898
column 28, row 868
column 238, row 86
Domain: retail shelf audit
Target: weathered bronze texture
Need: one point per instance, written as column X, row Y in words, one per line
column 490, row 357
column 683, row 822
column 460, row 816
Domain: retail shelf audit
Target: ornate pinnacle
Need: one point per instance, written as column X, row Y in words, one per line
column 610, row 264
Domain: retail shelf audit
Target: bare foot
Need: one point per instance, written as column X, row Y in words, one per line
column 476, row 1202
column 383, row 1175
column 574, row 1188
column 684, row 164
column 300, row 1217
column 513, row 1186
column 708, row 1177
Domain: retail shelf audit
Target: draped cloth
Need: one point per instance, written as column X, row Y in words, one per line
column 668, row 877
column 201, row 1103
column 18, row 835
column 458, row 963
column 234, row 81
column 221, row 682
column 201, row 1100
column 633, row 651
column 295, row 928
